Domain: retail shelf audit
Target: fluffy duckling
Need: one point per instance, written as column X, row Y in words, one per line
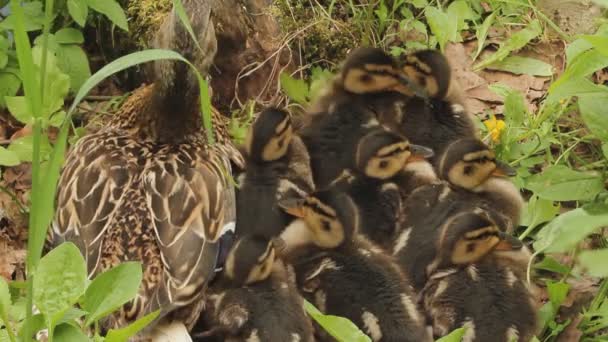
column 254, row 299
column 367, row 76
column 151, row 187
column 277, row 166
column 477, row 282
column 387, row 167
column 437, row 119
column 345, row 275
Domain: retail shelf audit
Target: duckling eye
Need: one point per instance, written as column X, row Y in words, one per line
column 325, row 225
column 383, row 164
column 468, row 170
column 470, row 247
column 365, row 78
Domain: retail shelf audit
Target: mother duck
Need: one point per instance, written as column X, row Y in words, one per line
column 151, row 187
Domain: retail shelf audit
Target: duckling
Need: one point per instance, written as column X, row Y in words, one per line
column 387, row 167
column 477, row 282
column 437, row 119
column 366, row 74
column 343, row 274
column 254, row 299
column 474, row 179
column 277, row 166
column 151, row 187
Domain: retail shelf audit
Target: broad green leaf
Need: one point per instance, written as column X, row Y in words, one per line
column 24, row 148
column 123, row 334
column 575, row 48
column 4, row 335
column 482, row 33
column 71, row 315
column 296, row 89
column 598, row 42
column 52, row 46
column 517, row 41
column 59, row 280
column 8, row 158
column 461, row 10
column 419, row 3
column 568, row 229
column 340, row 328
column 595, row 115
column 69, row 333
column 595, row 262
column 550, row 264
column 112, row 10
column 577, row 86
column 111, row 289
column 318, row 80
column 515, row 109
column 3, row 59
column 78, row 10
column 4, row 44
column 442, row 26
column 69, row 36
column 560, row 183
column 581, row 66
column 18, row 106
column 557, row 291
column 523, row 65
column 605, row 150
column 57, row 119
column 9, row 86
column 603, row 3
column 455, row 336
column 73, row 61
column 538, row 211
column 33, row 17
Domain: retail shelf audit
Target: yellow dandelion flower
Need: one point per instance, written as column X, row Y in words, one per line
column 495, row 127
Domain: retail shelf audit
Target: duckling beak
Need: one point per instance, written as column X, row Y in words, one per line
column 504, row 170
column 293, row 206
column 420, row 153
column 508, row 242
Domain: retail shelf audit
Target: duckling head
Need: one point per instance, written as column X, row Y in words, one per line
column 251, row 259
column 470, row 236
column 327, row 219
column 430, row 70
column 370, row 70
column 470, row 164
column 269, row 137
column 381, row 154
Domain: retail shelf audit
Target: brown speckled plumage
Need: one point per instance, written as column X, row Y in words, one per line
column 149, row 187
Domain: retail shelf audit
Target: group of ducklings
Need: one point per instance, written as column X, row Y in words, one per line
column 383, row 206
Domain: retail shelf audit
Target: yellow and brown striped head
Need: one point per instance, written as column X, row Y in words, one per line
column 251, row 259
column 468, row 163
column 430, row 70
column 269, row 137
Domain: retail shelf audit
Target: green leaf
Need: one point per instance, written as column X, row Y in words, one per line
column 8, row 158
column 340, row 328
column 594, row 114
column 598, row 42
column 69, row 36
column 605, row 150
column 595, row 262
column 57, row 119
column 455, row 336
column 5, row 299
column 462, row 12
column 296, row 89
column 18, row 106
column 318, row 80
column 24, row 148
column 568, row 229
column 552, row 265
column 575, row 87
column 112, row 10
column 482, row 33
column 444, row 27
column 517, row 41
column 111, row 289
column 3, row 59
column 557, row 291
column 523, row 65
column 538, row 211
column 419, row 3
column 123, row 334
column 69, row 333
column 9, row 86
column 560, row 183
column 59, row 280
column 515, row 109
column 73, row 61
column 79, row 11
